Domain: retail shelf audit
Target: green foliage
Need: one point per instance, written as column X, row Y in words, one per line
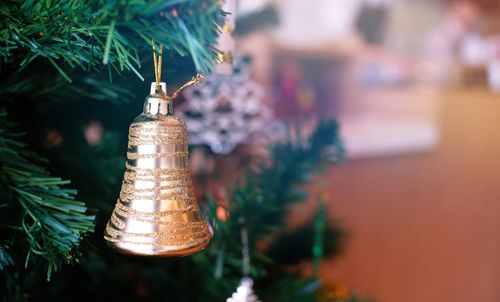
column 53, row 51
column 319, row 233
column 291, row 289
column 260, row 201
column 52, row 222
column 5, row 259
column 89, row 33
column 312, row 240
column 300, row 157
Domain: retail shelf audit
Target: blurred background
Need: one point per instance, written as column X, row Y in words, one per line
column 415, row 86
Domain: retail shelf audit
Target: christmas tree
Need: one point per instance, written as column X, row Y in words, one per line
column 72, row 72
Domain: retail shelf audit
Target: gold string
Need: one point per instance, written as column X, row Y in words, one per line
column 195, row 80
column 157, row 61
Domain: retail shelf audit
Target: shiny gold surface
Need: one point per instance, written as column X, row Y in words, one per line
column 156, row 213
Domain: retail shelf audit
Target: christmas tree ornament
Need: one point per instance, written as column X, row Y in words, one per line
column 244, row 292
column 226, row 111
column 156, row 213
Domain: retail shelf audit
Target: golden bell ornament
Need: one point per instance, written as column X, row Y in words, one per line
column 157, row 213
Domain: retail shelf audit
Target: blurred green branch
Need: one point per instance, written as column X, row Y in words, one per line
column 262, row 199
column 52, row 222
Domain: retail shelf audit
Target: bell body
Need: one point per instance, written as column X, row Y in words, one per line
column 157, row 213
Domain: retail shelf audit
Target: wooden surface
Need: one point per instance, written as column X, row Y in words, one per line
column 426, row 227
column 389, row 121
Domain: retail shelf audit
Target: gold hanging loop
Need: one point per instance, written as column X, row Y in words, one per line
column 195, row 80
column 157, row 61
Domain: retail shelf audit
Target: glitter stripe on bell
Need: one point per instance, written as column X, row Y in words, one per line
column 157, row 213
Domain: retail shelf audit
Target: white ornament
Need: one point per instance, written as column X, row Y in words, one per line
column 244, row 292
column 226, row 110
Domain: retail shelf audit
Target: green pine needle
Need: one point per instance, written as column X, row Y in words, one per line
column 75, row 33
column 107, row 47
column 53, row 222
